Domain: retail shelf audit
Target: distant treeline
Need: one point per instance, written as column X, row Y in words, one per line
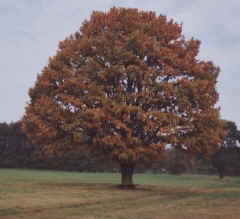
column 17, row 152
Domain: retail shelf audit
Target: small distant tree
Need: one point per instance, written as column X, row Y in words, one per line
column 228, row 155
column 126, row 84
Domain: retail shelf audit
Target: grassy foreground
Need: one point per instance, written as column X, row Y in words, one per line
column 59, row 195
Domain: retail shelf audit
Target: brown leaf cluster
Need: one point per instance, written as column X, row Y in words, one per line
column 126, row 84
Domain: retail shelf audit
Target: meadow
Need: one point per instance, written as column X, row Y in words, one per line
column 72, row 195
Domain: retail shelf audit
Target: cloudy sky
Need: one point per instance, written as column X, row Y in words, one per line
column 30, row 32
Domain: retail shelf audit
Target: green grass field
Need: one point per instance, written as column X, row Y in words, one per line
column 59, row 195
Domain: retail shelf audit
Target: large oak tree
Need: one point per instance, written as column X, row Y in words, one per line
column 126, row 84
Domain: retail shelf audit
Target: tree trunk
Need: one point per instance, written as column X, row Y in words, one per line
column 221, row 172
column 191, row 164
column 127, row 175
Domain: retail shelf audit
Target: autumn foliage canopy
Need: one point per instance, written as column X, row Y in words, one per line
column 126, row 84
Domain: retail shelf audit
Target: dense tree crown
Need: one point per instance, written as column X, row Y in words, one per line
column 127, row 84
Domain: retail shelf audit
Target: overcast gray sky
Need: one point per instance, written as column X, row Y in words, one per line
column 30, row 32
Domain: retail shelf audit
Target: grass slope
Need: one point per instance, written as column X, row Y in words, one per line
column 59, row 195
